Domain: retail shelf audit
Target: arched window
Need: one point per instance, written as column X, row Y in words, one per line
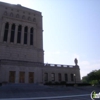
column 53, row 76
column 12, row 33
column 31, row 36
column 6, row 31
column 66, row 77
column 25, row 34
column 72, row 77
column 45, row 77
column 19, row 34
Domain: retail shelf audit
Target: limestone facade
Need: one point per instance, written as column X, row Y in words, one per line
column 21, row 49
column 16, row 15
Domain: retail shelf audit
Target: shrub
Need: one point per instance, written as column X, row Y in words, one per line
column 63, row 83
column 70, row 84
column 4, row 82
column 48, row 83
column 56, row 83
column 84, row 84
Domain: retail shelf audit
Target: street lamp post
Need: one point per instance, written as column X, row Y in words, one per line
column 75, row 78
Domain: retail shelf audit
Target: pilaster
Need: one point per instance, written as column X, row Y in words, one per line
column 17, row 77
column 22, row 35
column 28, row 40
column 2, row 31
column 16, row 32
column 9, row 33
column 35, row 38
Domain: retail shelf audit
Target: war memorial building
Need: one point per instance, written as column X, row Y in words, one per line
column 21, row 49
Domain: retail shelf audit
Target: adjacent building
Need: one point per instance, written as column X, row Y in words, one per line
column 21, row 49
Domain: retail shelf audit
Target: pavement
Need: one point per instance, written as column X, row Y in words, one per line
column 41, row 92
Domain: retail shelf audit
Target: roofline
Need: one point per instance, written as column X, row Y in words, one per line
column 16, row 5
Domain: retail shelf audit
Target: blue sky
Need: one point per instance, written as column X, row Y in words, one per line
column 71, row 29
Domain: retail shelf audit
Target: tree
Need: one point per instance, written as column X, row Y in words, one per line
column 84, row 79
column 93, row 77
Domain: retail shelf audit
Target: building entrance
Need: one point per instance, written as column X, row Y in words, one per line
column 31, row 77
column 12, row 76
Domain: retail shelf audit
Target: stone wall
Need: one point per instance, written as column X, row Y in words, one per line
column 39, row 70
column 18, row 15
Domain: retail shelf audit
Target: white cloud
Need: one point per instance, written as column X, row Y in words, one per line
column 58, row 57
column 86, row 67
column 52, row 52
column 84, row 63
column 56, row 52
column 76, row 56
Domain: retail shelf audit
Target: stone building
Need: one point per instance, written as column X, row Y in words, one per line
column 21, row 49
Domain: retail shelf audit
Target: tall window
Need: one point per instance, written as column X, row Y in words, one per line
column 45, row 77
column 72, row 77
column 53, row 76
column 25, row 34
column 31, row 36
column 59, row 77
column 66, row 77
column 19, row 34
column 6, row 31
column 12, row 33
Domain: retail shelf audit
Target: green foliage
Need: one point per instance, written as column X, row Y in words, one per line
column 94, row 82
column 84, row 79
column 92, row 78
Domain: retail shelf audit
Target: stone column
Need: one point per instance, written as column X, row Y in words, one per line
column 9, row 33
column 16, row 32
column 26, row 77
column 56, row 77
column 49, row 76
column 17, row 77
column 28, row 39
column 40, row 38
column 63, row 76
column 2, row 31
column 22, row 35
column 35, row 38
column 69, row 78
